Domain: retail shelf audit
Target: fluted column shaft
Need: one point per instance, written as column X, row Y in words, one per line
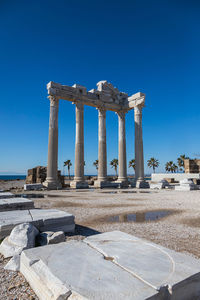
column 139, row 157
column 52, row 166
column 79, row 144
column 102, row 151
column 122, row 147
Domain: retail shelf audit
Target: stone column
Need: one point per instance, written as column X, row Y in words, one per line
column 78, row 181
column 122, row 179
column 102, row 151
column 139, row 157
column 52, row 166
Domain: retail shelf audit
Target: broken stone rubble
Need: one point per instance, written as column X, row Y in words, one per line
column 49, row 237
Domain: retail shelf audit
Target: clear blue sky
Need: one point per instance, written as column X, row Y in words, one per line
column 148, row 46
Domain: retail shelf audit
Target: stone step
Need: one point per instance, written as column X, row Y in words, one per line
column 43, row 219
column 15, row 204
column 4, row 195
column 113, row 266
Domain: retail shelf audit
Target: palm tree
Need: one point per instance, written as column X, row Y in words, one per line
column 132, row 164
column 114, row 164
column 68, row 164
column 171, row 167
column 96, row 164
column 180, row 161
column 153, row 163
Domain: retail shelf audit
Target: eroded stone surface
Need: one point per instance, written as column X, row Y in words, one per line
column 13, row 264
column 49, row 237
column 111, row 265
column 21, row 237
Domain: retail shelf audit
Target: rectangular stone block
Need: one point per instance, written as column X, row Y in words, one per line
column 43, row 219
column 33, row 187
column 5, row 195
column 15, row 204
column 112, row 265
column 176, row 176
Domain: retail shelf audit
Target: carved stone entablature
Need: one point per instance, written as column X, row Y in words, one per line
column 105, row 95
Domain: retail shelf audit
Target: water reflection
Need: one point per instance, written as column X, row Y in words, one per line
column 140, row 217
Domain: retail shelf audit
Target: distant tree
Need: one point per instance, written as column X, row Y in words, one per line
column 153, row 163
column 132, row 164
column 171, row 167
column 68, row 164
column 96, row 164
column 114, row 164
column 180, row 161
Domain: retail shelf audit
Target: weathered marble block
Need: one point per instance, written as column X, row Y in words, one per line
column 114, row 266
column 43, row 219
column 15, row 204
column 33, row 187
column 159, row 185
column 4, row 195
column 186, row 185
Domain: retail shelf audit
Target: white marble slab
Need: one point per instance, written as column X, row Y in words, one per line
column 112, row 266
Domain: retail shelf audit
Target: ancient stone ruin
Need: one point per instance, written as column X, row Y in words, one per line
column 105, row 97
column 39, row 174
column 192, row 165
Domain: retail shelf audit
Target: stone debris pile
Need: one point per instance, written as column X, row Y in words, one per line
column 26, row 236
column 21, row 237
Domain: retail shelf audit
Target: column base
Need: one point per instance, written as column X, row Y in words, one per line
column 79, row 184
column 52, row 185
column 142, row 184
column 105, row 184
column 122, row 182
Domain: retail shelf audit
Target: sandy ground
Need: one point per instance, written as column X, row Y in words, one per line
column 167, row 217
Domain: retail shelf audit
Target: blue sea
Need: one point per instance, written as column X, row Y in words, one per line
column 12, row 177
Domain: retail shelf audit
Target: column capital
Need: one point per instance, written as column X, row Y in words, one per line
column 138, row 109
column 101, row 108
column 79, row 104
column 121, row 113
column 53, row 100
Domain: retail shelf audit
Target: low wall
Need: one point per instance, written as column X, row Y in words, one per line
column 176, row 176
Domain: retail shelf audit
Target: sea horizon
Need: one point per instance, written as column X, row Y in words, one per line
column 23, row 177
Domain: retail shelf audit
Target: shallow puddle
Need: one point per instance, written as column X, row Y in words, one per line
column 140, row 217
column 30, row 195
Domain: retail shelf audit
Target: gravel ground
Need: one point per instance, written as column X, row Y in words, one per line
column 106, row 210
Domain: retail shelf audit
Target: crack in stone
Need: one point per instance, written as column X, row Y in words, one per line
column 112, row 259
column 30, row 214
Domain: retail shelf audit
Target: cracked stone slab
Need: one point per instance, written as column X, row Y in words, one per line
column 4, row 195
column 7, row 204
column 43, row 219
column 112, row 265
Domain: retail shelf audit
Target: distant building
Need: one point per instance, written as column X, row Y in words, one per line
column 192, row 165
